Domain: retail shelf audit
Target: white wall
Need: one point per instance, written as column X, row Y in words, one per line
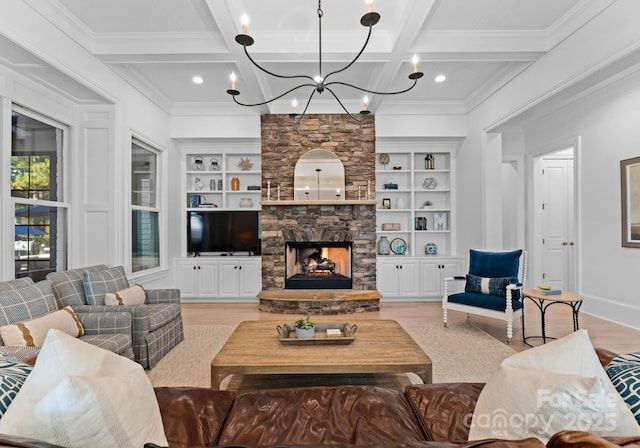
column 101, row 136
column 607, row 124
column 588, row 56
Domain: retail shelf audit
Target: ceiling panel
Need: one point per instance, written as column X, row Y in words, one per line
column 301, row 15
column 159, row 45
column 174, row 81
column 464, row 78
column 487, row 15
column 141, row 16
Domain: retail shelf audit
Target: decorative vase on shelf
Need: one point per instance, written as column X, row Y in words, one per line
column 212, row 185
column 428, row 162
column 214, row 166
column 401, row 203
column 246, row 202
column 235, row 184
column 384, row 248
column 198, row 164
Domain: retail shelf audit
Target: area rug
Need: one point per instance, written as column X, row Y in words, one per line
column 460, row 353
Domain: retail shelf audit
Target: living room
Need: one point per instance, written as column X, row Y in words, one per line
column 557, row 101
column 570, row 81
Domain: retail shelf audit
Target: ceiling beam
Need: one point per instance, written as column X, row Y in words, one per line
column 401, row 51
column 227, row 22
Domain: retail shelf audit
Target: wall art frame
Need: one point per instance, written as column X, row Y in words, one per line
column 630, row 196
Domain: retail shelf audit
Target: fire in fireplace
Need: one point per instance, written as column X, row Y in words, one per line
column 318, row 265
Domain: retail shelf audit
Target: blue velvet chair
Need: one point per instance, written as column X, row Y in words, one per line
column 492, row 287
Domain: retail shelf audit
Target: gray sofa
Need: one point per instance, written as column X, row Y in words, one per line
column 22, row 300
column 157, row 325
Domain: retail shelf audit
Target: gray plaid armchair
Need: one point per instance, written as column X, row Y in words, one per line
column 157, row 325
column 22, row 300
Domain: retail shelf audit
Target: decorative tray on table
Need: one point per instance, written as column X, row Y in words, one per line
column 345, row 334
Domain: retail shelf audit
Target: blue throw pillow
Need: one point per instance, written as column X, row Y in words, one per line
column 13, row 373
column 494, row 264
column 624, row 372
column 491, row 286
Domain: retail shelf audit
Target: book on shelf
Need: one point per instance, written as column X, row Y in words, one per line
column 193, row 200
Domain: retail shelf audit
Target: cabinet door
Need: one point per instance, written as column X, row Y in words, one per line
column 387, row 277
column 250, row 281
column 186, row 278
column 208, row 279
column 430, row 278
column 228, row 275
column 408, row 279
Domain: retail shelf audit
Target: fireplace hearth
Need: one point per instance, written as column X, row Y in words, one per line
column 318, row 265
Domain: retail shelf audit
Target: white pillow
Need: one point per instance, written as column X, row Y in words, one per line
column 556, row 386
column 31, row 333
column 80, row 395
column 133, row 295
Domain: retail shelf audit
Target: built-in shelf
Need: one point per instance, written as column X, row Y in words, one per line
column 319, row 202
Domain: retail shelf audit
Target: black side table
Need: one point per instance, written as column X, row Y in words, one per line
column 543, row 301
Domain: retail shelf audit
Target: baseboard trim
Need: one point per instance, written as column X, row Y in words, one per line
column 609, row 310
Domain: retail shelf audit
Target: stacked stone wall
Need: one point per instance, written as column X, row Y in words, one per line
column 283, row 142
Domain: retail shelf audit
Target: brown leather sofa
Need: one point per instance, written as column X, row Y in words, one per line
column 430, row 415
column 433, row 415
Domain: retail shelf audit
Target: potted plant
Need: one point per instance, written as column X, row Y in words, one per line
column 305, row 328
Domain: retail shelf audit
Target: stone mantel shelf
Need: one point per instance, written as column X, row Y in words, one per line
column 319, row 202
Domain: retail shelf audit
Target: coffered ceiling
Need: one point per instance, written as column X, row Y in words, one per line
column 159, row 45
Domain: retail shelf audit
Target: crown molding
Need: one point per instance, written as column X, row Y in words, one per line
column 581, row 13
column 60, row 17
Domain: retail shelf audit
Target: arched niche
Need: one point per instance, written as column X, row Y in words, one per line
column 318, row 175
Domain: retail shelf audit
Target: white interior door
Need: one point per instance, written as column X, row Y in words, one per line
column 557, row 223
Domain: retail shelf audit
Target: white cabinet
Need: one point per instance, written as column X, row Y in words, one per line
column 398, row 277
column 414, row 181
column 197, row 277
column 239, row 278
column 433, row 272
column 416, row 277
column 217, row 278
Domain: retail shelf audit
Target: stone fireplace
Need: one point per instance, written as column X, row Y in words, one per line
column 289, row 224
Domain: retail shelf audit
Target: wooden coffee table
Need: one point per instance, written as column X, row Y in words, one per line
column 380, row 346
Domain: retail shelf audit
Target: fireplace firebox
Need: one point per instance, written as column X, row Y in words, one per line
column 318, row 265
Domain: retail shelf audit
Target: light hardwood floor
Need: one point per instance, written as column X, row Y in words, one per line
column 605, row 334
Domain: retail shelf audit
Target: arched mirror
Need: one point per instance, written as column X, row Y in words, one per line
column 319, row 174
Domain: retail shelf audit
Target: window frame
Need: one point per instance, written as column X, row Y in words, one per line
column 160, row 206
column 63, row 167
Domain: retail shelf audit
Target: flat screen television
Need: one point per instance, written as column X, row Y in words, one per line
column 223, row 232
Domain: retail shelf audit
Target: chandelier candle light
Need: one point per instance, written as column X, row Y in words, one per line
column 319, row 83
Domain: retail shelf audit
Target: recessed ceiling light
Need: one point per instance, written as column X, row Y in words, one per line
column 440, row 78
column 197, row 80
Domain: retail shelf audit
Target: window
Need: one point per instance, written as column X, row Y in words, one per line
column 40, row 229
column 145, row 214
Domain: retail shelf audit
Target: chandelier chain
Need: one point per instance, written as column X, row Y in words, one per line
column 320, row 14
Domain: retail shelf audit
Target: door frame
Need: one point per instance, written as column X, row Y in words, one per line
column 533, row 213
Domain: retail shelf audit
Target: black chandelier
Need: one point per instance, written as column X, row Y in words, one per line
column 319, row 83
